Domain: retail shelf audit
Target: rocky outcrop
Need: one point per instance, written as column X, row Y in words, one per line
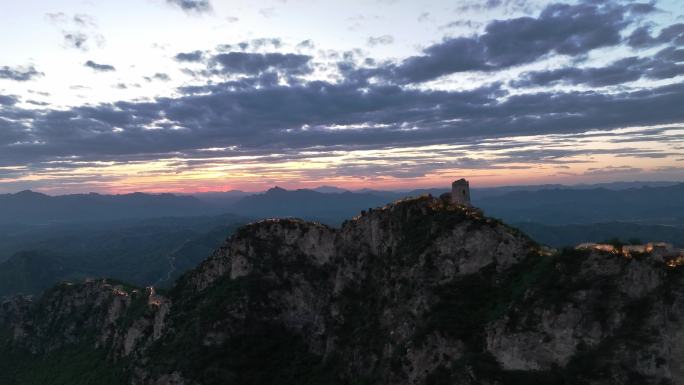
column 421, row 291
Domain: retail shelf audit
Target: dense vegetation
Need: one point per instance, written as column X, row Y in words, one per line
column 262, row 353
column 79, row 365
column 148, row 252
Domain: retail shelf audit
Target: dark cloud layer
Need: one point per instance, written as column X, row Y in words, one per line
column 664, row 65
column 20, row 74
column 99, row 67
column 195, row 56
column 324, row 116
column 255, row 63
column 8, row 100
column 562, row 29
column 642, row 37
column 266, row 107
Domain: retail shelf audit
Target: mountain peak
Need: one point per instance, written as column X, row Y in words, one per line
column 329, row 189
column 275, row 189
column 29, row 193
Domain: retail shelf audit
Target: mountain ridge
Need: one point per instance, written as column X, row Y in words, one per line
column 416, row 292
column 546, row 204
column 37, row 208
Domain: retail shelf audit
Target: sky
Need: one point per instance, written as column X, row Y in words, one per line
column 213, row 95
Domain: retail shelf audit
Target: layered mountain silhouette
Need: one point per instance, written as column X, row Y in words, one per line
column 661, row 203
column 417, row 292
column 36, row 208
column 45, row 239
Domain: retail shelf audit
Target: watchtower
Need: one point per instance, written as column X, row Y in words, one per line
column 460, row 192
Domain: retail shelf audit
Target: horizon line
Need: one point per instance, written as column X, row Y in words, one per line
column 400, row 190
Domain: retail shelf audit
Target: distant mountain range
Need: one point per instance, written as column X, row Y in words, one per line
column 649, row 203
column 646, row 205
column 329, row 208
column 545, row 204
column 36, row 208
column 235, row 195
column 134, row 237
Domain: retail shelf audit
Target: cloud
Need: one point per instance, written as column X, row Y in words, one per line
column 322, row 116
column 19, row 74
column 562, row 29
column 461, row 23
column 41, row 93
column 669, row 169
column 38, row 103
column 508, row 6
column 641, row 37
column 255, row 63
column 306, row 44
column 663, row 65
column 78, row 31
column 612, row 170
column 8, row 100
column 81, row 40
column 258, row 44
column 158, row 76
column 254, row 45
column 76, row 40
column 85, row 20
column 257, row 106
column 380, row 40
column 642, row 8
column 197, row 6
column 57, row 17
column 194, row 56
column 99, row 67
column 646, row 154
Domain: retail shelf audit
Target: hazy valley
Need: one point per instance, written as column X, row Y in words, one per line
column 134, row 237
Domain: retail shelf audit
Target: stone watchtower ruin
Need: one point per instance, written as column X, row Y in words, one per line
column 460, row 192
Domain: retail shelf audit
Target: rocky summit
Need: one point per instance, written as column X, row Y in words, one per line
column 422, row 291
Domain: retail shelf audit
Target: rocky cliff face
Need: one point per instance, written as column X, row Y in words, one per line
column 418, row 292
